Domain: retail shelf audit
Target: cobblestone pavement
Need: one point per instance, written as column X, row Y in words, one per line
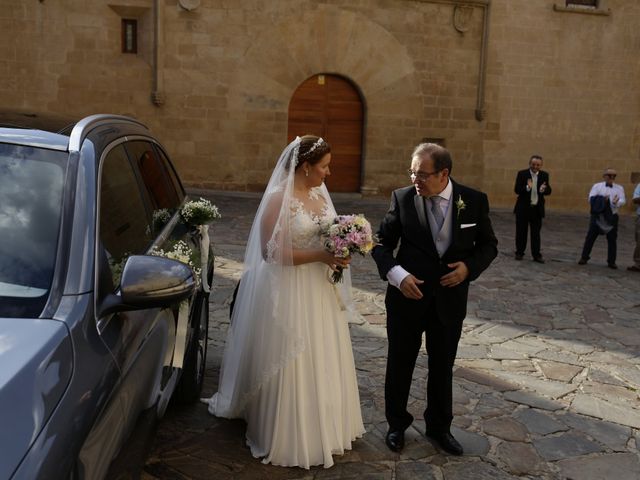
column 547, row 380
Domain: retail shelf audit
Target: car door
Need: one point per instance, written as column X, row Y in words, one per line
column 163, row 195
column 139, row 340
column 189, row 241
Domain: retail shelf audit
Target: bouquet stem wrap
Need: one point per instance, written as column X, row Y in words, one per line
column 204, row 256
column 181, row 334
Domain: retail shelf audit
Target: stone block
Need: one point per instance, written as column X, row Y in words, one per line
column 539, row 422
column 603, row 409
column 623, row 465
column 477, row 470
column 505, row 428
column 520, row 458
column 565, row 446
column 614, row 436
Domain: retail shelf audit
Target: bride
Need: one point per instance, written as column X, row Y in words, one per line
column 288, row 366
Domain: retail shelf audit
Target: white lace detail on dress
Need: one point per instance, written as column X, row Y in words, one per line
column 314, row 193
column 306, row 226
column 272, row 244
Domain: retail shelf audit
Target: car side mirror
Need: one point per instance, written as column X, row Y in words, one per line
column 150, row 282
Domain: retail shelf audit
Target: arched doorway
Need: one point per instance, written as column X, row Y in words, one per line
column 331, row 107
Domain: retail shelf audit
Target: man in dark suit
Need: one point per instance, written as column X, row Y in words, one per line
column 532, row 185
column 446, row 241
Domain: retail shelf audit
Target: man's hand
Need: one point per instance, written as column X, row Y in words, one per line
column 455, row 278
column 529, row 184
column 409, row 287
column 543, row 187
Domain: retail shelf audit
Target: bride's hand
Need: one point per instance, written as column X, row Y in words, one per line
column 334, row 262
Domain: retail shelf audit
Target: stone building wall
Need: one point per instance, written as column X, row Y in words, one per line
column 561, row 84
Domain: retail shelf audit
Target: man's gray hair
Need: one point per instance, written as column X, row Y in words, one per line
column 440, row 155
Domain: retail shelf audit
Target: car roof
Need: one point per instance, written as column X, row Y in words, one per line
column 45, row 130
column 29, row 120
column 51, row 130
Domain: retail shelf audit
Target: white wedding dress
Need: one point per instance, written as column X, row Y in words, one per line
column 309, row 408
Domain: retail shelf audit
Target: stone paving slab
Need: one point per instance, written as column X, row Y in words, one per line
column 547, row 383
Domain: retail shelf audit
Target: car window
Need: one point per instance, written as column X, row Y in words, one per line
column 125, row 227
column 31, row 187
column 155, row 174
column 172, row 174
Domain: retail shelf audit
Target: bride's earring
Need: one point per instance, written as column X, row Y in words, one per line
column 306, row 173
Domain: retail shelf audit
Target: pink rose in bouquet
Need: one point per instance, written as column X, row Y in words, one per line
column 346, row 235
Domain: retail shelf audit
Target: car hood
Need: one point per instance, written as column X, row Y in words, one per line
column 36, row 363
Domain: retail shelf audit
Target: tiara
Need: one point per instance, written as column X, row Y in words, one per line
column 313, row 147
column 317, row 143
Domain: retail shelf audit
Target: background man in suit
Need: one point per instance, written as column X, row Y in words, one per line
column 532, row 185
column 611, row 196
column 446, row 241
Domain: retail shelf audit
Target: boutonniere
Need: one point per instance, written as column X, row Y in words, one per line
column 460, row 205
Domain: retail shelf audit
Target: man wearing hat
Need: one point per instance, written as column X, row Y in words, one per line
column 606, row 198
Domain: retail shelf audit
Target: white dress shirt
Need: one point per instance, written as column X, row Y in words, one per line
column 601, row 188
column 397, row 274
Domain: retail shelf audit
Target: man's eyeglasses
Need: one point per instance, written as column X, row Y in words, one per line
column 610, row 175
column 422, row 176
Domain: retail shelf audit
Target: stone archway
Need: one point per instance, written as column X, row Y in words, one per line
column 334, row 41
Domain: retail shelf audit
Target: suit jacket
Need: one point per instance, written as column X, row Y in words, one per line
column 524, row 197
column 601, row 213
column 406, row 223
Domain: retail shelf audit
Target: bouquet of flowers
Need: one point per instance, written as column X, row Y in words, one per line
column 199, row 212
column 346, row 235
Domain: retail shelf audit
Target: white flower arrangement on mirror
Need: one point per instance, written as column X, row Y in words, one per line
column 181, row 252
column 199, row 212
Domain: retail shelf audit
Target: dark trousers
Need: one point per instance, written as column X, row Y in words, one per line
column 612, row 239
column 528, row 218
column 404, row 333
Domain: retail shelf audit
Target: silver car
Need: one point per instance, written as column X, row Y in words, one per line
column 93, row 329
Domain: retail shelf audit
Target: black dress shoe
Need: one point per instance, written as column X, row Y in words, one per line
column 612, row 265
column 519, row 256
column 538, row 259
column 582, row 261
column 446, row 441
column 395, row 440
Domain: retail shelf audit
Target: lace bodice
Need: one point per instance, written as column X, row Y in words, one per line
column 306, row 226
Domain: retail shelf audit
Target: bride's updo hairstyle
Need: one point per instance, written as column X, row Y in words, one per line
column 311, row 150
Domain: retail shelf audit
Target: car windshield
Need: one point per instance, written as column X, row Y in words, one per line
column 31, row 184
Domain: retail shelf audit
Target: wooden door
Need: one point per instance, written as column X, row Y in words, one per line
column 329, row 106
